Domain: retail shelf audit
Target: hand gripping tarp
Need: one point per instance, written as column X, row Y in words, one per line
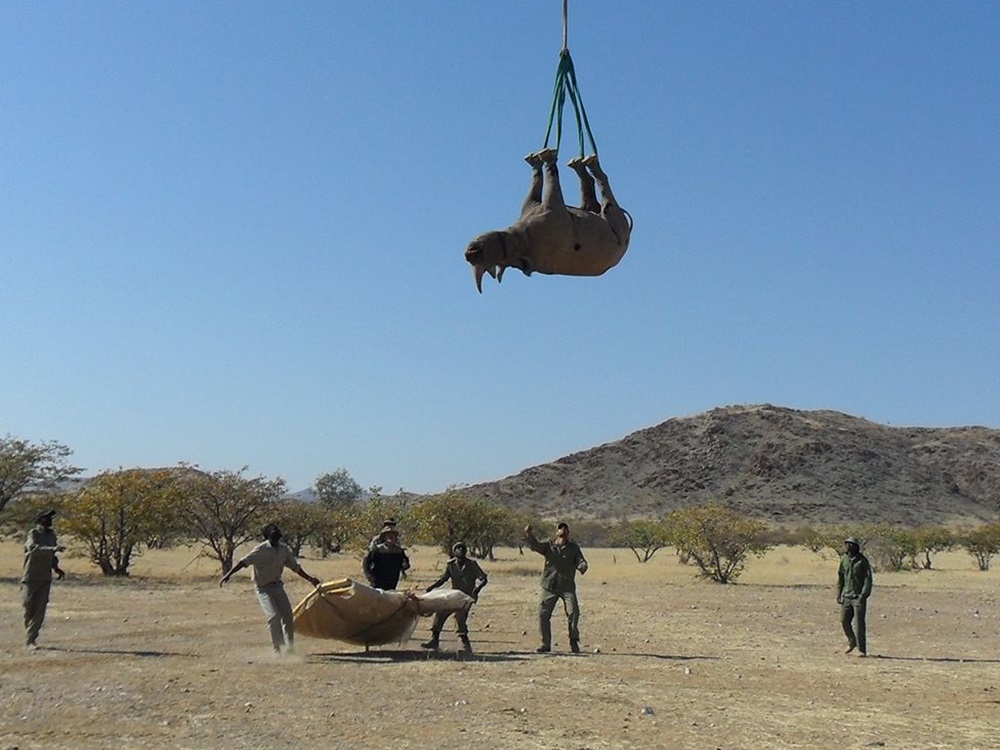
column 345, row 610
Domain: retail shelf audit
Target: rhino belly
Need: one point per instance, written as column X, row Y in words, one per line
column 582, row 246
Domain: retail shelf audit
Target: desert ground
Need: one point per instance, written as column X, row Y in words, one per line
column 167, row 659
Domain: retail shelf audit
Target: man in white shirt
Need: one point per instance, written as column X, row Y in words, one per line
column 269, row 559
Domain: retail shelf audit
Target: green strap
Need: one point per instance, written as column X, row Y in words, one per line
column 566, row 85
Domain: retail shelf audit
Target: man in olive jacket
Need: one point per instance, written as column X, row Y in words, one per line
column 854, row 586
column 40, row 561
column 563, row 559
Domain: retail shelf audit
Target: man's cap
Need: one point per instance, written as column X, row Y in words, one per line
column 852, row 540
column 457, row 546
column 562, row 525
column 44, row 514
column 389, row 522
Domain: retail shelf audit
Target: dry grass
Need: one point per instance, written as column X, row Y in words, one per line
column 167, row 659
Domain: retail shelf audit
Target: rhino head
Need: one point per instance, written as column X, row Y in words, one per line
column 489, row 253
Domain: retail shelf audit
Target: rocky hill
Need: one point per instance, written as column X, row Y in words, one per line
column 780, row 465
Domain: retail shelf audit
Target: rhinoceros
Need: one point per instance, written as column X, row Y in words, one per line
column 551, row 237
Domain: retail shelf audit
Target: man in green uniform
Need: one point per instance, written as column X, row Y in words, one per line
column 563, row 559
column 36, row 578
column 467, row 577
column 854, row 586
column 269, row 559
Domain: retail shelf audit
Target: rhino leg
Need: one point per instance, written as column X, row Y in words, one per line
column 610, row 209
column 552, row 197
column 594, row 165
column 534, row 198
column 588, row 196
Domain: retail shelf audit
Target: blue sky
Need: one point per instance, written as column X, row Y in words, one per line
column 231, row 233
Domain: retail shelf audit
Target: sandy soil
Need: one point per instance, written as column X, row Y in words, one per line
column 168, row 660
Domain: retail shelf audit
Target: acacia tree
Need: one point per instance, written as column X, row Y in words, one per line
column 298, row 520
column 717, row 539
column 339, row 494
column 120, row 511
column 643, row 537
column 890, row 547
column 494, row 524
column 364, row 520
column 25, row 466
column 928, row 540
column 224, row 509
column 451, row 516
column 337, row 489
column 983, row 543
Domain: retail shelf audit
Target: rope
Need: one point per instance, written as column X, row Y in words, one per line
column 565, row 25
column 567, row 86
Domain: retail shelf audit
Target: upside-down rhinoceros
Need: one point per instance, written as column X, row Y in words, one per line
column 551, row 237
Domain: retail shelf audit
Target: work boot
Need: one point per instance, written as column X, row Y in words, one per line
column 466, row 646
column 574, row 646
column 543, row 649
column 432, row 643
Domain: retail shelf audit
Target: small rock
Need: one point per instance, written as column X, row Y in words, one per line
column 648, row 711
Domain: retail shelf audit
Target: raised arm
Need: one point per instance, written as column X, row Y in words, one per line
column 533, row 544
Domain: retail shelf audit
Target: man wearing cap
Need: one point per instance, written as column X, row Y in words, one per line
column 854, row 586
column 269, row 559
column 467, row 577
column 386, row 561
column 563, row 558
column 389, row 523
column 40, row 560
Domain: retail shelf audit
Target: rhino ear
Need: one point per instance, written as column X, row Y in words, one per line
column 500, row 273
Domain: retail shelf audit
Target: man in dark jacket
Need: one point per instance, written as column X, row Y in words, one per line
column 563, row 559
column 386, row 561
column 40, row 561
column 854, row 586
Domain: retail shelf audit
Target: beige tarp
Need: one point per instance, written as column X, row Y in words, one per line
column 346, row 610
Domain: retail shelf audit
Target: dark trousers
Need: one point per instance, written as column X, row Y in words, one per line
column 548, row 604
column 35, row 597
column 852, row 617
column 461, row 622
